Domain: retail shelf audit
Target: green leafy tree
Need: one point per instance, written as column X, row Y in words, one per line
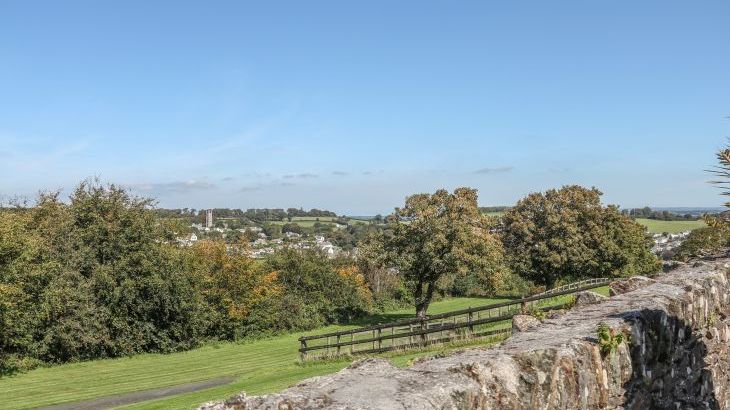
column 568, row 233
column 438, row 238
column 314, row 291
column 99, row 276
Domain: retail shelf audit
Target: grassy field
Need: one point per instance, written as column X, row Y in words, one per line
column 494, row 213
column 308, row 221
column 656, row 226
column 260, row 367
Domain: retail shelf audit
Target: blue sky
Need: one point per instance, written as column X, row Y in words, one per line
column 351, row 106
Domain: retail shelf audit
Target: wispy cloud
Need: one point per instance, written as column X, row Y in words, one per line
column 261, row 187
column 250, row 188
column 340, row 173
column 176, row 186
column 257, row 175
column 497, row 170
column 227, row 179
column 302, row 175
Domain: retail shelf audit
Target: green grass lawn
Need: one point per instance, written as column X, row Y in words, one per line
column 656, row 226
column 260, row 367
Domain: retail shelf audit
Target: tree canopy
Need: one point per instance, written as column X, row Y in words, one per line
column 103, row 275
column 567, row 233
column 435, row 238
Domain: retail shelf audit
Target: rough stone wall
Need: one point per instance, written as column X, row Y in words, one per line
column 677, row 358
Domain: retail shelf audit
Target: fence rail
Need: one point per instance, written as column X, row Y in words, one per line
column 476, row 322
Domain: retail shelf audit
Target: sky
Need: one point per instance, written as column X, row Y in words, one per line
column 351, row 106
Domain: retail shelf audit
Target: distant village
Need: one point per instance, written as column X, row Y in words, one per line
column 263, row 245
column 665, row 244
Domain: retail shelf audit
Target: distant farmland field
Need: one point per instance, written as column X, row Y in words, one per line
column 494, row 213
column 656, row 226
column 309, row 221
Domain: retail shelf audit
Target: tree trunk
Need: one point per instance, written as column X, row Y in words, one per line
column 550, row 281
column 422, row 302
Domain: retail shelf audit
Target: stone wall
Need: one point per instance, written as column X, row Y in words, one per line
column 676, row 358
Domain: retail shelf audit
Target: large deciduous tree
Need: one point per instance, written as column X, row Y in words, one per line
column 568, row 233
column 436, row 238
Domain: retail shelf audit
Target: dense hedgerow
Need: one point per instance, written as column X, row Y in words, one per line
column 103, row 276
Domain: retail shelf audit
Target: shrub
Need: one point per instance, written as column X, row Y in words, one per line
column 537, row 313
column 703, row 240
column 608, row 339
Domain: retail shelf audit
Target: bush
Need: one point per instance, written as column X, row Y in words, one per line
column 608, row 339
column 93, row 278
column 314, row 291
column 703, row 240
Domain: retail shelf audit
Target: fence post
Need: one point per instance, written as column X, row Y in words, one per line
column 410, row 334
column 352, row 345
column 424, row 335
column 471, row 326
column 302, row 352
column 338, row 345
column 380, row 341
column 524, row 307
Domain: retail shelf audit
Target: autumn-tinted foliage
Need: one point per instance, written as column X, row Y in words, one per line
column 567, row 233
column 103, row 276
column 315, row 290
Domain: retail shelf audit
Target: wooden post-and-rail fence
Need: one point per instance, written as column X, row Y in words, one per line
column 461, row 324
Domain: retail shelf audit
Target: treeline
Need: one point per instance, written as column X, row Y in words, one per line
column 648, row 213
column 101, row 276
column 443, row 243
column 253, row 214
column 492, row 209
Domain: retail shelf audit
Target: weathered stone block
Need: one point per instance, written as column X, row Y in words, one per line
column 588, row 298
column 522, row 323
column 631, row 284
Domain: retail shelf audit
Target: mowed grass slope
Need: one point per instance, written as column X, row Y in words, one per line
column 260, row 366
column 656, row 226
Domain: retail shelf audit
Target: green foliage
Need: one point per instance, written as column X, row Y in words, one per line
column 436, row 239
column 92, row 278
column 702, row 241
column 722, row 171
column 608, row 339
column 537, row 313
column 315, row 291
column 103, row 276
column 386, row 285
column 568, row 233
column 570, row 303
